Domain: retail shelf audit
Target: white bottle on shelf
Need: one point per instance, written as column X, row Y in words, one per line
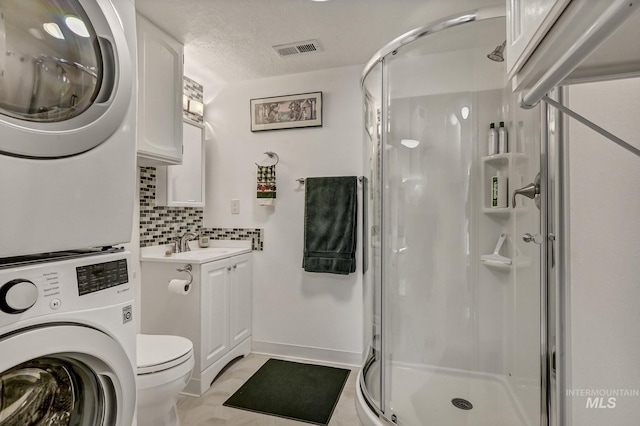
column 492, row 140
column 503, row 139
column 499, row 191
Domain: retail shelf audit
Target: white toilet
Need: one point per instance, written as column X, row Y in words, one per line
column 164, row 368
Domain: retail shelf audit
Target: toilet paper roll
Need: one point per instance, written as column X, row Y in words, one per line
column 180, row 287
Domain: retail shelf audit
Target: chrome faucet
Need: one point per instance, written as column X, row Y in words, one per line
column 184, row 241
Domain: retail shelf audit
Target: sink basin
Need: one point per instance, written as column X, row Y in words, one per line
column 200, row 255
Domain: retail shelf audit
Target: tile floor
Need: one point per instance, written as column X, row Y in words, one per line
column 209, row 411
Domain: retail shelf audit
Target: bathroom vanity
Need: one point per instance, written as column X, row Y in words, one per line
column 216, row 312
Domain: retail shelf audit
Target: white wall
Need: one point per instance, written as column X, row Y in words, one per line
column 604, row 251
column 294, row 312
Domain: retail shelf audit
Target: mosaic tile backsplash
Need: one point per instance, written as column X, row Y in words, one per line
column 161, row 224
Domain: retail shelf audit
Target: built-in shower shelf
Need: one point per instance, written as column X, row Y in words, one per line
column 497, row 210
column 503, row 159
column 504, row 267
column 509, row 165
column 521, row 262
column 502, row 211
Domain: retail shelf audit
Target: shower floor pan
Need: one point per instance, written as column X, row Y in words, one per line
column 424, row 395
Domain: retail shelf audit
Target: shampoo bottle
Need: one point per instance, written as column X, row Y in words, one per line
column 499, row 191
column 492, row 141
column 503, row 139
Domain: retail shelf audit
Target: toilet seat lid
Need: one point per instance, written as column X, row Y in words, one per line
column 160, row 352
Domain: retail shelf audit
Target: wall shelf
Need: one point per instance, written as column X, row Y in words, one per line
column 507, row 165
column 503, row 267
column 498, row 211
column 521, row 262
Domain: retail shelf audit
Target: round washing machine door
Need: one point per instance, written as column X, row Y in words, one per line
column 66, row 76
column 65, row 375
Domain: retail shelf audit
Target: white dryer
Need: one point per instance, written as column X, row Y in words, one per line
column 68, row 341
column 67, row 124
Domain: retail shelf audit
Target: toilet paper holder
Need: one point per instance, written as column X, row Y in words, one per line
column 187, row 268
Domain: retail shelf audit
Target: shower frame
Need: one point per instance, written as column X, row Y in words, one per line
column 552, row 211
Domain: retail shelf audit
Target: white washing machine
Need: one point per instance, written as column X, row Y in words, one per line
column 68, row 341
column 67, row 124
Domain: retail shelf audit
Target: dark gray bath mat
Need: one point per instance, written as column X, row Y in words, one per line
column 304, row 392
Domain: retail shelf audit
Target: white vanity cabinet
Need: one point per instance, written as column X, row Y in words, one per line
column 160, row 70
column 226, row 297
column 215, row 315
column 183, row 185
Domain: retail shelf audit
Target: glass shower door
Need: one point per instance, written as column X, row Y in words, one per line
column 527, row 231
column 460, row 331
column 372, row 265
column 456, row 306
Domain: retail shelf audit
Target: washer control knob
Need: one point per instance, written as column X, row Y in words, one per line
column 16, row 296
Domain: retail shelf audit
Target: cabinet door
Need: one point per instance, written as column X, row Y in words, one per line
column 527, row 23
column 215, row 311
column 160, row 69
column 183, row 185
column 240, row 303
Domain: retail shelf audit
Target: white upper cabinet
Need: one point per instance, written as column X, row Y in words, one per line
column 581, row 40
column 528, row 22
column 160, row 69
column 183, row 185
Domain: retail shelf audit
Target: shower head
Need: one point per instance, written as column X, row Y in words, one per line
column 497, row 54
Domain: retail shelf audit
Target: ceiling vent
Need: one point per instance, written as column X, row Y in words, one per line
column 298, row 48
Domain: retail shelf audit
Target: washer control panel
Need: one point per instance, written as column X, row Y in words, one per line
column 56, row 287
column 100, row 276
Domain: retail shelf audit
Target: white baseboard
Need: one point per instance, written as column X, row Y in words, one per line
column 308, row 353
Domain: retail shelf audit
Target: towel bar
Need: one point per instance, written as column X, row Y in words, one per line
column 301, row 180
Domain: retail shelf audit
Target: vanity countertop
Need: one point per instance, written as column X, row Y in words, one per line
column 219, row 250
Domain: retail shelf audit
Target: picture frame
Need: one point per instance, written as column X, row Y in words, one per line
column 286, row 112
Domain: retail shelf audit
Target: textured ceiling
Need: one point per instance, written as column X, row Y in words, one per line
column 232, row 39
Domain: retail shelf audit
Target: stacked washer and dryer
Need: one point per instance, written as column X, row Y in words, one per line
column 67, row 186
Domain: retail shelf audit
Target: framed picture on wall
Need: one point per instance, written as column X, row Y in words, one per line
column 286, row 112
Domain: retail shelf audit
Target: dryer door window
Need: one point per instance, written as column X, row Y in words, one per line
column 67, row 75
column 51, row 391
column 51, row 67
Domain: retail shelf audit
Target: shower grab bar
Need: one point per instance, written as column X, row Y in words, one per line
column 302, row 180
column 612, row 19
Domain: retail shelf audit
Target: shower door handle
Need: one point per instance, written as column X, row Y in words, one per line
column 536, row 239
column 531, row 191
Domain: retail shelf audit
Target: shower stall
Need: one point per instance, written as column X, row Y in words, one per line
column 456, row 293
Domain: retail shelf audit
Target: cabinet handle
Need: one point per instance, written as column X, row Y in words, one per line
column 228, row 268
column 235, row 266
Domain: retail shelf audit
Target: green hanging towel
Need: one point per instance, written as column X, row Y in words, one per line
column 330, row 225
column 267, row 185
